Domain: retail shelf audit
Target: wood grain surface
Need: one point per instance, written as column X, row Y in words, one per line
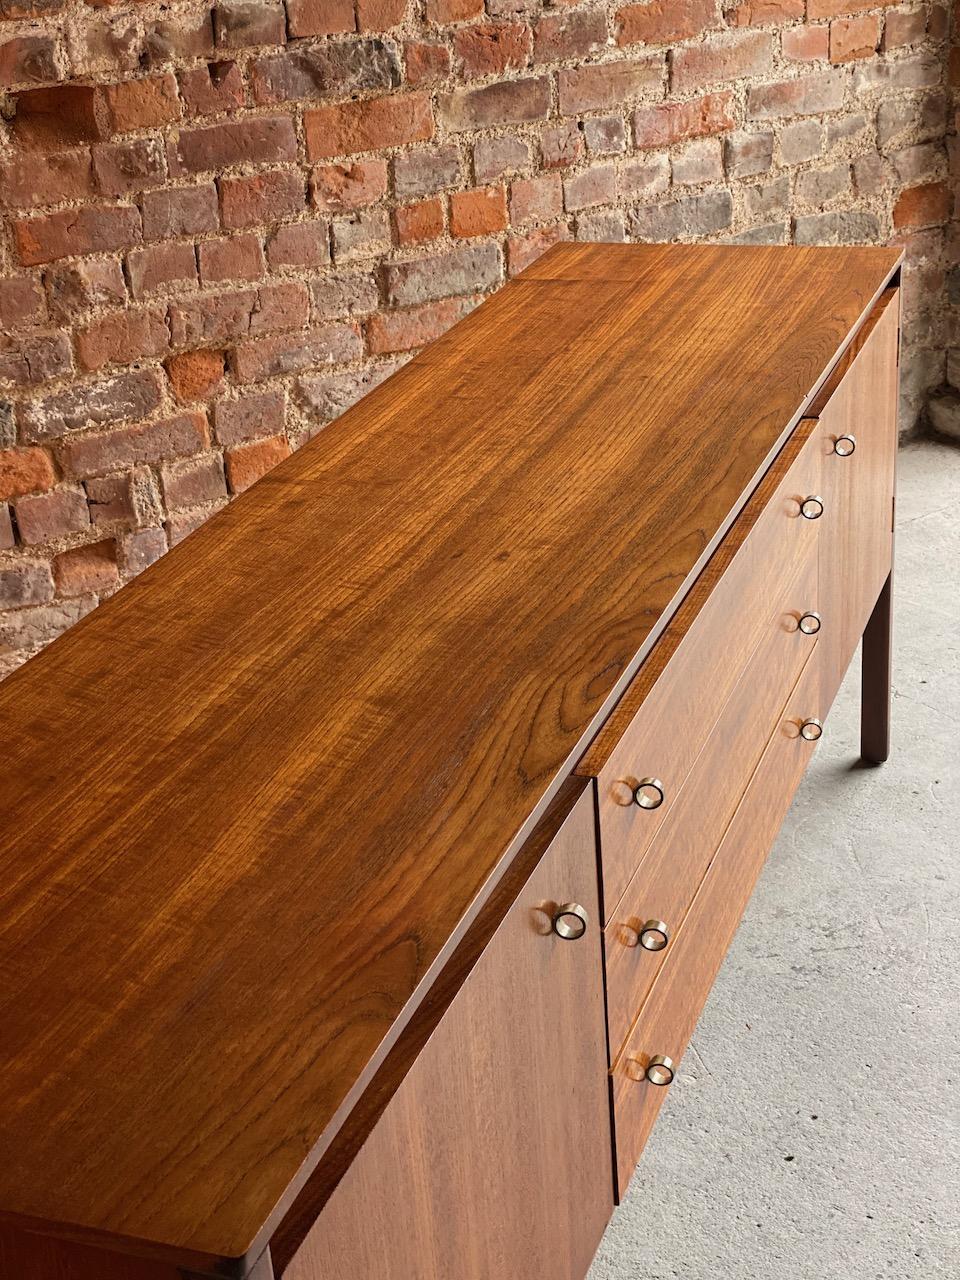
column 252, row 803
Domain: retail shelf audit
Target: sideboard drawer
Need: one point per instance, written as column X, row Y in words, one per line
column 667, row 879
column 669, row 1016
column 667, row 714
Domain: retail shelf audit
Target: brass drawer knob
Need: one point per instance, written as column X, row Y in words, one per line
column 844, row 445
column 810, row 623
column 654, row 935
column 811, row 730
column 648, row 793
column 660, row 1070
column 812, row 508
column 570, row 921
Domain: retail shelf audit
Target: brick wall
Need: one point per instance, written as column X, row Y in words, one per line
column 222, row 227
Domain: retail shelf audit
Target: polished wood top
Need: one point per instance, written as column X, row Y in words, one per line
column 252, row 803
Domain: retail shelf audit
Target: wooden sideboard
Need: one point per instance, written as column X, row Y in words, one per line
column 367, row 862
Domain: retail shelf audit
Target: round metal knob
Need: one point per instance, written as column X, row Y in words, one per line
column 570, row 921
column 660, row 1070
column 845, row 445
column 648, row 793
column 811, row 730
column 809, row 623
column 654, row 935
column 812, row 508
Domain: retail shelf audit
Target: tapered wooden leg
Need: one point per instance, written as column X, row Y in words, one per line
column 875, row 680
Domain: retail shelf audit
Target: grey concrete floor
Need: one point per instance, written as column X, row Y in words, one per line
column 814, row 1129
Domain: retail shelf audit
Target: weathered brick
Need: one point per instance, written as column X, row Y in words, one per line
column 602, row 226
column 180, row 211
column 30, row 180
column 596, row 185
column 362, row 234
column 644, row 176
column 758, row 13
column 444, row 12
column 195, row 375
column 923, row 206
column 840, row 227
column 231, row 258
column 344, row 295
column 819, row 186
column 7, row 537
column 804, row 96
column 246, row 464
column 325, row 70
column 74, row 232
column 852, row 38
column 142, row 104
column 698, row 162
column 320, row 17
column 42, row 517
column 210, row 319
column 250, row 417
column 523, row 250
column 561, row 145
column 559, row 37
column 258, row 358
column 664, row 21
column 76, row 286
column 800, row 142
column 837, row 8
column 489, row 48
column 24, row 583
column 380, row 15
column 663, row 125
column 426, row 61
column 118, row 399
column 481, row 211
column 495, row 157
column 920, row 161
column 425, row 170
column 131, row 498
column 331, row 394
column 806, row 43
column 27, row 60
column 160, row 267
column 920, row 121
column 121, row 337
column 301, row 244
column 212, row 89
column 335, row 188
column 507, row 102
column 97, row 453
column 392, row 331
column 24, row 471
column 238, row 24
column 60, row 116
column 369, row 125
column 183, row 36
column 538, row 199
column 903, row 27
column 8, row 430
column 193, row 481
column 31, row 359
column 87, row 569
column 723, row 58
column 921, row 70
column 608, row 84
column 605, row 135
column 415, row 223
column 685, row 219
column 256, row 140
column 22, row 302
column 746, row 154
column 262, row 198
column 462, row 270
column 125, row 167
column 767, row 200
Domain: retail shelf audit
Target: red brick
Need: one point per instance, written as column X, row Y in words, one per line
column 596, row 185
column 24, row 471
column 246, row 464
column 426, row 61
column 93, row 229
column 30, row 180
column 93, row 454
column 758, row 13
column 60, row 116
column 320, row 17
column 608, row 84
column 852, row 38
column 262, row 198
column 347, row 127
column 486, row 48
column 27, row 60
column 7, row 538
column 723, row 58
column 162, row 266
column 504, row 102
column 250, row 417
column 561, row 145
column 128, row 395
column 291, row 353
column 462, row 270
column 380, row 15
column 417, row 222
column 232, row 258
column 924, row 206
column 806, row 43
column 210, row 90
column 122, row 337
column 526, row 249
column 77, row 286
column 25, row 583
column 900, row 28
column 805, row 96
column 180, row 211
column 142, row 104
column 839, row 8
column 664, row 21
column 335, row 188
column 211, row 318
column 123, row 167
column 480, row 212
column 86, row 569
column 138, row 551
column 561, row 36
column 538, row 199
column 443, row 12
column 32, row 358
column 193, row 481
column 405, row 330
column 131, row 498
column 282, row 305
column 240, row 24
column 660, row 126
column 181, row 37
column 302, row 244
column 194, row 375
column 55, row 514
column 256, row 140
column 21, row 302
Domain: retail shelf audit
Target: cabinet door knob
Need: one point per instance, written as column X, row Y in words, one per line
column 845, row 445
column 570, row 921
column 654, row 935
column 648, row 793
column 812, row 508
column 811, row 730
column 659, row 1070
column 809, row 623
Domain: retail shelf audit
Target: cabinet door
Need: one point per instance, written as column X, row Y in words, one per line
column 856, row 530
column 493, row 1159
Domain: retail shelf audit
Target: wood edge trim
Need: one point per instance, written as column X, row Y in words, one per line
column 844, row 364
column 325, row 1178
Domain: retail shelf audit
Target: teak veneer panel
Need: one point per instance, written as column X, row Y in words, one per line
column 253, row 801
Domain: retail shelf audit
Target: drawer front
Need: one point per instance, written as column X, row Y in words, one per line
column 856, row 531
column 670, row 1014
column 669, row 875
column 666, row 716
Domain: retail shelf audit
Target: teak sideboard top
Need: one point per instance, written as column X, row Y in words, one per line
column 252, row 803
